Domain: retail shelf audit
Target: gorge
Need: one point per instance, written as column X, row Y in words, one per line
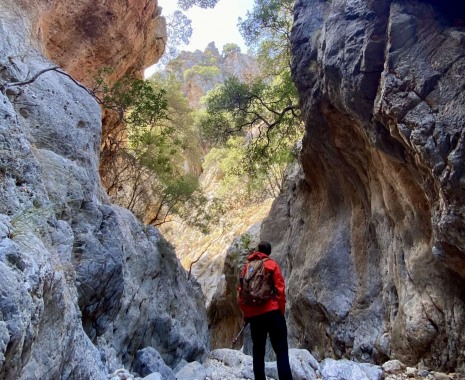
column 370, row 231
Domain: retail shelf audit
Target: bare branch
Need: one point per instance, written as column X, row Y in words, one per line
column 198, row 258
column 7, row 85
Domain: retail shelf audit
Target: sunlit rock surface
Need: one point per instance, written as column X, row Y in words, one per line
column 371, row 234
column 82, row 36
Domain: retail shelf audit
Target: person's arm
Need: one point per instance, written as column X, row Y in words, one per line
column 280, row 288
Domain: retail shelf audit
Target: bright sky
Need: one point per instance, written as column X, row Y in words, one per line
column 218, row 24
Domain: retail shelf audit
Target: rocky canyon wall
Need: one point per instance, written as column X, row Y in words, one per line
column 84, row 286
column 84, row 36
column 374, row 244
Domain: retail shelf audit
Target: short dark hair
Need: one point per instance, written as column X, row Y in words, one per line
column 264, row 247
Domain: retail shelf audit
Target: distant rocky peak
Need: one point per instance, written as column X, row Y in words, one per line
column 200, row 71
column 212, row 49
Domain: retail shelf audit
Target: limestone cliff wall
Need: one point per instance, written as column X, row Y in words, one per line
column 371, row 234
column 84, row 286
column 83, row 36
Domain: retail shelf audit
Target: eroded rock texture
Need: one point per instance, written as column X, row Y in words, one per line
column 83, row 36
column 84, row 286
column 371, row 235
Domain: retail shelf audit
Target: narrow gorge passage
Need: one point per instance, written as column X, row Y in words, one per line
column 367, row 223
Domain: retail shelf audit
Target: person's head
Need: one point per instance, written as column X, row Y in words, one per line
column 264, row 247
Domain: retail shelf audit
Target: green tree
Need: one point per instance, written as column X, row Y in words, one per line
column 264, row 111
column 267, row 31
column 207, row 73
column 179, row 32
column 255, row 108
column 182, row 196
column 180, row 117
column 264, row 116
column 179, row 27
column 145, row 169
column 230, row 48
column 186, row 4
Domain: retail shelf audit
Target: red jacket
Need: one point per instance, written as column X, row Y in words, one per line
column 277, row 301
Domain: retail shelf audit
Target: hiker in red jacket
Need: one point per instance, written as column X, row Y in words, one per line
column 267, row 317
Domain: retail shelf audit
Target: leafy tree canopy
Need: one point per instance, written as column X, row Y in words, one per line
column 179, row 30
column 266, row 30
column 230, row 48
column 206, row 72
column 270, row 101
column 263, row 112
column 144, row 170
column 257, row 110
column 130, row 94
column 186, row 4
column 179, row 27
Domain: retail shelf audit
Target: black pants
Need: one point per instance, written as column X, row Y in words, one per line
column 272, row 323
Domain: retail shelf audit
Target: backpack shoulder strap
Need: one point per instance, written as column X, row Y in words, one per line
column 251, row 261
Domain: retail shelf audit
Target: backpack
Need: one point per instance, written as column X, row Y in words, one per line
column 257, row 284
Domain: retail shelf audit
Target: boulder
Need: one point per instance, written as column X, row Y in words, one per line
column 192, row 371
column 148, row 360
column 349, row 370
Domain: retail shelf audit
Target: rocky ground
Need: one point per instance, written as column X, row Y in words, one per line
column 396, row 370
column 227, row 364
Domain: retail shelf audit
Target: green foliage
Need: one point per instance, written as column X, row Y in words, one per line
column 130, row 94
column 183, row 197
column 186, row 4
column 180, row 119
column 226, row 159
column 179, row 32
column 200, row 211
column 247, row 175
column 245, row 241
column 264, row 112
column 266, row 29
column 209, row 125
column 205, row 72
column 144, row 170
column 257, row 110
column 211, row 55
column 230, row 48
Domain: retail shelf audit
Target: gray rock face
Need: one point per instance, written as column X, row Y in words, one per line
column 370, row 236
column 148, row 361
column 224, row 316
column 84, row 286
column 303, row 365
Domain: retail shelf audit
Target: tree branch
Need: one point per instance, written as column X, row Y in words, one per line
column 7, row 85
column 198, row 258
